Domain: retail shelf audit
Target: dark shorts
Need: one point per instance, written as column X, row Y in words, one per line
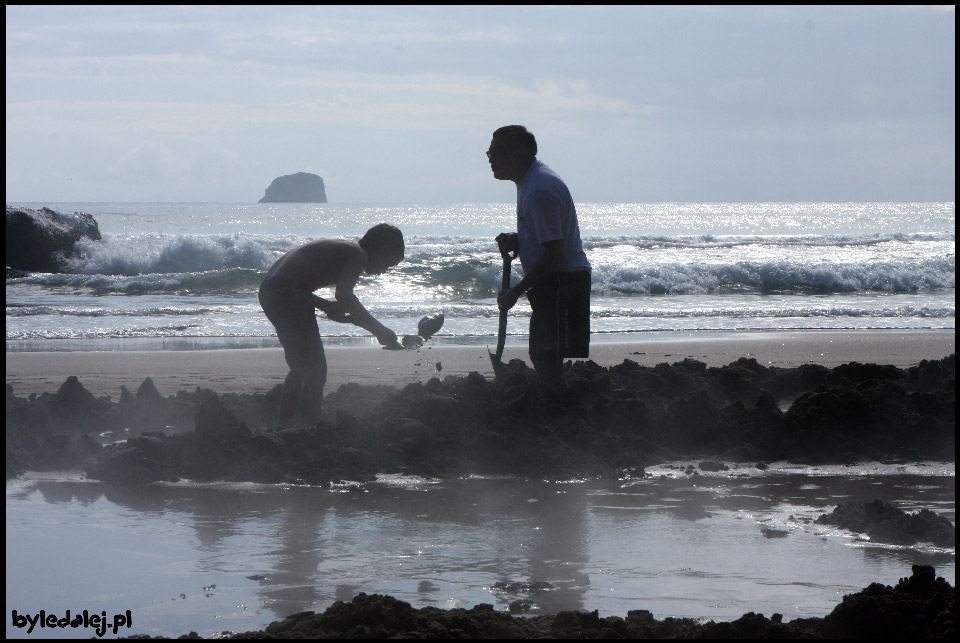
column 560, row 323
column 288, row 305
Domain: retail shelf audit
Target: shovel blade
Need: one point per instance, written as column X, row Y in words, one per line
column 497, row 365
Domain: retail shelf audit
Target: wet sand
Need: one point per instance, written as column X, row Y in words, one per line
column 257, row 370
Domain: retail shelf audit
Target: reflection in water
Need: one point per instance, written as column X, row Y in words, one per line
column 664, row 543
column 326, row 546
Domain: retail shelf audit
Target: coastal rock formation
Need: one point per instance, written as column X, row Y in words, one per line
column 920, row 606
column 40, row 240
column 301, row 187
column 614, row 419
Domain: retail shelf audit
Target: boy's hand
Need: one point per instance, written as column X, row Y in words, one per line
column 388, row 339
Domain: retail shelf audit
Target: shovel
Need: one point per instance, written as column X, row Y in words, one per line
column 508, row 254
column 425, row 330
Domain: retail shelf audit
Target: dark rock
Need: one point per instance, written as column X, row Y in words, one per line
column 264, row 443
column 439, row 411
column 217, row 427
column 72, row 409
column 59, row 452
column 147, row 410
column 414, row 438
column 301, row 187
column 126, row 397
column 148, row 392
column 73, row 396
column 41, row 240
column 131, row 464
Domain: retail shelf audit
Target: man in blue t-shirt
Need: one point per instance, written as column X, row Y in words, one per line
column 556, row 270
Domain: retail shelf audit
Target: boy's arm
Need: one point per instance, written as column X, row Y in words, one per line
column 351, row 306
column 331, row 309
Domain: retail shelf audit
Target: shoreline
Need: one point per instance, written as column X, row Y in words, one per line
column 258, row 370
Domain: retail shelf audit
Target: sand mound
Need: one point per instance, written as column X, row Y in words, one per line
column 886, row 523
column 613, row 419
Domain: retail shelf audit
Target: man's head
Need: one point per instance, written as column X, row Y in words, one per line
column 511, row 152
column 383, row 244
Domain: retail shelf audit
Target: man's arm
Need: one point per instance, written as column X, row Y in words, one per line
column 551, row 258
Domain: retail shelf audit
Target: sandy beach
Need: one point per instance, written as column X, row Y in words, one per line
column 804, row 400
column 257, row 370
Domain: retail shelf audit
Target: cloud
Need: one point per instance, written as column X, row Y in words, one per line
column 694, row 99
column 366, row 100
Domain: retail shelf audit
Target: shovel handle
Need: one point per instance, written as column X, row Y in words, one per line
column 509, row 250
column 504, row 287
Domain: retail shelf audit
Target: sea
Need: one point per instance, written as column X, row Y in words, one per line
column 171, row 276
column 170, row 558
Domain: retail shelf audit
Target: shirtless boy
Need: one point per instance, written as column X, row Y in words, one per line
column 286, row 296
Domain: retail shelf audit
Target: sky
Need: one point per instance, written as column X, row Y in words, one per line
column 397, row 104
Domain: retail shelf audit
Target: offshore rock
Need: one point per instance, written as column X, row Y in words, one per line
column 301, row 187
column 42, row 240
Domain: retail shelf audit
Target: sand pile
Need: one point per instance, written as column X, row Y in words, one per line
column 614, row 420
column 883, row 522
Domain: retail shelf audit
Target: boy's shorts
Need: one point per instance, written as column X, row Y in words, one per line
column 560, row 323
column 288, row 305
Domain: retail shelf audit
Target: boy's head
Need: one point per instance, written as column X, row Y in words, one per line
column 383, row 244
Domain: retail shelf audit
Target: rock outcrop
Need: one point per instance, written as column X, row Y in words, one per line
column 301, row 187
column 40, row 240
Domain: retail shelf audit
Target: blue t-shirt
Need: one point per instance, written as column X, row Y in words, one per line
column 545, row 212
